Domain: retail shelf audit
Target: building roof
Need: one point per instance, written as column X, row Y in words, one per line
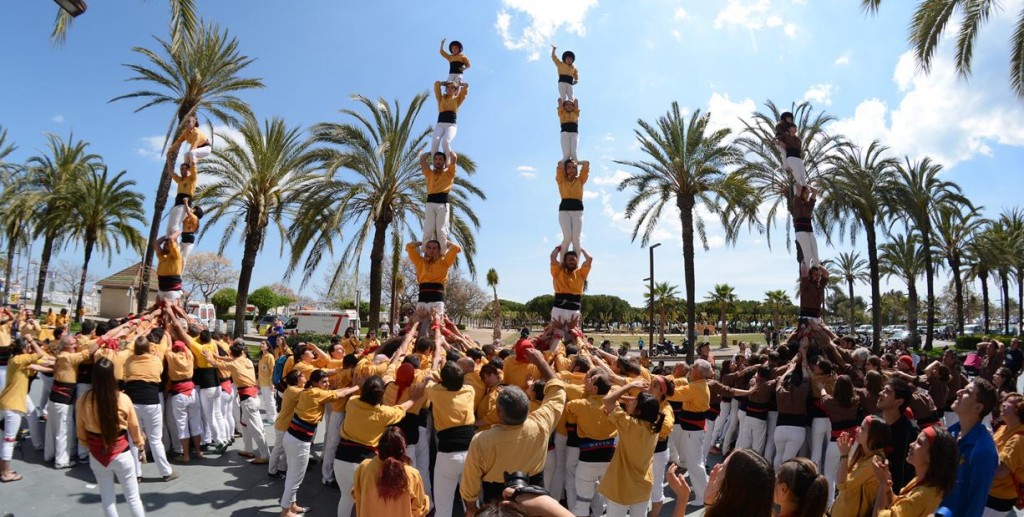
column 128, row 277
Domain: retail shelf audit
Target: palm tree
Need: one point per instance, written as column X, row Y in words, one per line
column 49, row 176
column 1013, row 221
column 918, row 194
column 1001, row 240
column 776, row 300
column 686, row 165
column 724, row 296
column 906, row 259
column 850, row 268
column 374, row 183
column 764, row 170
column 201, row 76
column 930, row 20
column 953, row 229
column 492, row 282
column 104, row 212
column 852, row 203
column 665, row 295
column 5, row 150
column 12, row 218
column 984, row 253
column 184, row 22
column 259, row 180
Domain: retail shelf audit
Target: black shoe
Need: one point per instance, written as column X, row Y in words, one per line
column 276, row 475
column 332, row 484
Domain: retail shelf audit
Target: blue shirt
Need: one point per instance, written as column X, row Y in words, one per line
column 974, row 474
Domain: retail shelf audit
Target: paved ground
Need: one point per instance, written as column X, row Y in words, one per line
column 218, row 485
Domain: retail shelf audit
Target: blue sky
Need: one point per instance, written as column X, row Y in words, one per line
column 634, row 59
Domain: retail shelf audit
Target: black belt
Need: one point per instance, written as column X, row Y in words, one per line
column 188, row 238
column 447, row 117
column 597, row 451
column 431, row 292
column 565, row 78
column 691, row 420
column 569, row 302
column 169, row 282
column 143, row 393
column 205, row 377
column 791, row 420
column 802, row 224
column 809, row 313
column 570, row 205
column 455, row 67
column 180, row 198
column 793, row 153
column 570, row 127
column 352, row 452
column 410, row 426
column 455, row 439
column 661, row 446
column 437, row 197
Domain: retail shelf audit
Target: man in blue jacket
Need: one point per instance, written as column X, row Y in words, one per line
column 978, row 456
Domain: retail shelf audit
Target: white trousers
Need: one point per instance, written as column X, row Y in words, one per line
column 171, row 296
column 691, row 449
column 175, row 218
column 214, row 428
column 277, row 457
column 557, row 485
column 788, row 441
column 808, row 247
column 721, row 423
column 199, row 153
column 829, row 469
column 570, row 142
column 571, row 222
column 769, row 446
column 435, row 224
column 422, row 460
column 345, row 475
column 12, row 424
column 447, row 473
column 563, row 315
column 752, row 434
column 733, row 430
column 675, row 439
column 821, row 430
column 455, row 78
column 267, row 402
column 252, row 428
column 124, row 469
column 61, row 434
column 188, row 417
column 332, row 437
column 186, row 250
column 796, row 166
column 444, row 133
column 297, row 453
column 619, row 510
column 44, row 398
column 565, row 92
column 83, row 451
column 588, row 475
column 996, row 513
column 658, row 464
column 550, row 466
column 151, row 420
column 227, row 413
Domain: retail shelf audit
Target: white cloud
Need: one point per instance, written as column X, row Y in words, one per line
column 152, row 147
column 590, row 194
column 528, row 175
column 820, row 93
column 608, row 137
column 791, row 30
column 680, row 14
column 727, row 114
column 939, row 114
column 842, row 60
column 773, row 21
column 754, row 15
column 58, row 119
column 530, row 25
column 677, row 35
column 715, row 241
column 526, row 168
column 613, row 180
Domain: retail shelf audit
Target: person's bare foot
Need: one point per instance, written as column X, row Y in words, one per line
column 296, row 509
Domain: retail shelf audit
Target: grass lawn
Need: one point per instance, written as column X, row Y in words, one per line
column 618, row 339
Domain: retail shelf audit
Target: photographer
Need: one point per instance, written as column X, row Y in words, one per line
column 525, row 503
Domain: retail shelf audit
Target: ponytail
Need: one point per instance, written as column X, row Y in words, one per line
column 393, row 481
column 649, row 410
column 808, row 486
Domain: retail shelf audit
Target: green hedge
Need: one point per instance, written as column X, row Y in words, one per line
column 971, row 342
column 320, row 340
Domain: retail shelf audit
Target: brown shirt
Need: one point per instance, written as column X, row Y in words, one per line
column 812, row 297
column 837, row 413
column 792, row 400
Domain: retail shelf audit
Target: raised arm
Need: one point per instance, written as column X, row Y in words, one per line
column 424, row 163
column 615, row 394
column 554, row 56
column 554, row 256
column 444, row 54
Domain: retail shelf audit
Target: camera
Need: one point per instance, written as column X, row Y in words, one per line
column 520, row 483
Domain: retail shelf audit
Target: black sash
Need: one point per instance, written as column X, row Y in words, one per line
column 180, row 198
column 571, row 205
column 492, row 491
column 791, row 420
column 569, row 302
column 597, row 451
column 437, row 197
column 570, row 127
column 352, row 452
column 205, row 377
column 455, row 439
column 565, row 78
column 63, row 393
column 143, row 393
column 431, row 292
column 447, row 117
column 169, row 282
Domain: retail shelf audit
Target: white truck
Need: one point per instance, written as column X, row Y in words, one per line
column 204, row 313
column 323, row 322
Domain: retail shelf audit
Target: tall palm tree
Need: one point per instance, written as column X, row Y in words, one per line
column 665, row 296
column 723, row 296
column 905, row 258
column 764, row 169
column 776, row 300
column 260, row 180
column 1000, row 239
column 984, row 252
column 851, row 203
column 918, row 194
column 200, row 77
column 183, row 25
column 954, row 228
column 686, row 164
column 374, row 183
column 492, row 282
column 49, row 176
column 850, row 268
column 6, row 148
column 104, row 214
column 930, row 20
column 1013, row 220
column 12, row 218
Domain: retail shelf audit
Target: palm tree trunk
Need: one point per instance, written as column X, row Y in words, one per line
column 958, row 288
column 849, row 289
column 685, row 203
column 44, row 265
column 912, row 311
column 251, row 247
column 1005, row 281
column 497, row 315
column 876, row 292
column 159, row 204
column 380, row 231
column 11, row 245
column 725, row 327
column 984, row 298
column 929, row 274
column 1020, row 299
column 89, row 243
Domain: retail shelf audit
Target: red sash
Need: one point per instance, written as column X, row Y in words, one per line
column 99, row 450
column 225, row 386
column 183, row 387
column 248, row 392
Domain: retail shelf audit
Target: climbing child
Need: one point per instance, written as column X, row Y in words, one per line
column 569, row 117
column 802, row 208
column 567, row 74
column 457, row 62
column 794, row 156
column 447, row 108
column 198, row 143
column 186, row 190
column 570, row 210
column 189, row 227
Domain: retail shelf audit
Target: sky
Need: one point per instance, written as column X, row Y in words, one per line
column 634, row 58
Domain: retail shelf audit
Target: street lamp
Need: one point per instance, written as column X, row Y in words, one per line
column 72, row 7
column 650, row 326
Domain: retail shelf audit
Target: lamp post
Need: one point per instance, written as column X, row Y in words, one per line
column 650, row 327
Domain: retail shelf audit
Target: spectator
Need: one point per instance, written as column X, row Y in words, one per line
column 800, row 490
column 1014, row 360
column 977, row 450
column 741, row 485
column 893, row 402
column 387, row 484
column 857, row 484
column 933, row 455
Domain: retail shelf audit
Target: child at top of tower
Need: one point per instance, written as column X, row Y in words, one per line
column 780, row 128
column 567, row 73
column 457, row 61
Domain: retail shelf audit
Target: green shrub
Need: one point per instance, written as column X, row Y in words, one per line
column 971, row 342
column 320, row 340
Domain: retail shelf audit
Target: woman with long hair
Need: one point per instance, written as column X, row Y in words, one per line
column 843, row 409
column 309, row 411
column 934, row 457
column 14, row 400
column 106, row 419
column 741, row 485
column 661, row 389
column 366, row 420
column 1009, row 440
column 387, row 484
column 857, row 483
column 629, row 478
column 800, row 490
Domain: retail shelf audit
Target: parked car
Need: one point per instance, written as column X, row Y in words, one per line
column 865, row 329
column 972, row 329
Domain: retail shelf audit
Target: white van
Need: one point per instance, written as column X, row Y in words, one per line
column 204, row 313
column 323, row 322
column 972, row 329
